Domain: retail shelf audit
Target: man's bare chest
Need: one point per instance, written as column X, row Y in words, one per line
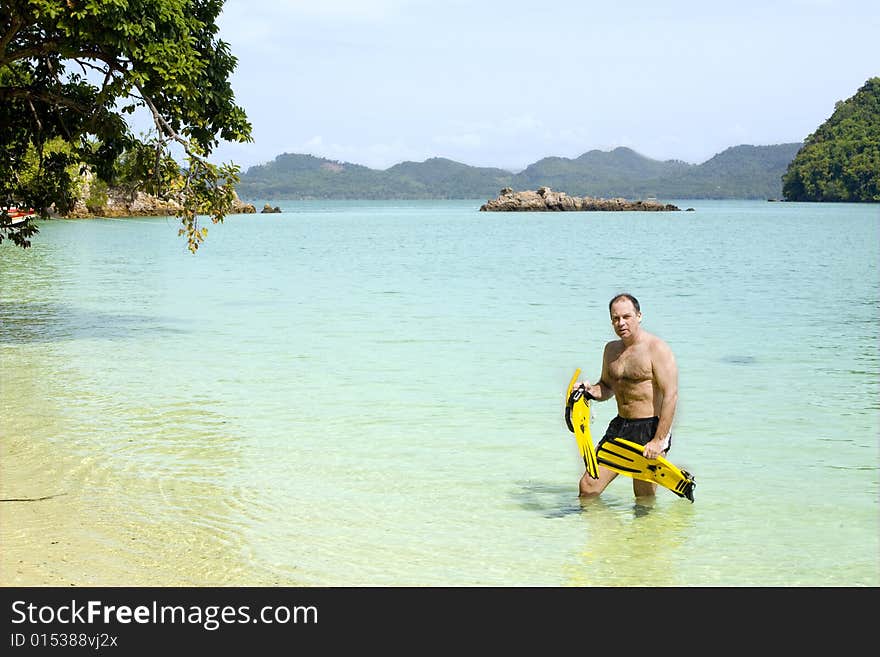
column 632, row 364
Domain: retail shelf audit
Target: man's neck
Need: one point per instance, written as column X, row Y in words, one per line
column 633, row 338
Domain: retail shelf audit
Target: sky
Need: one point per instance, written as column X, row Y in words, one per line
column 504, row 83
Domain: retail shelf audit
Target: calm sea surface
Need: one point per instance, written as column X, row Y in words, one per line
column 371, row 394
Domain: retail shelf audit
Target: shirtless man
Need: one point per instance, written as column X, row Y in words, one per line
column 640, row 372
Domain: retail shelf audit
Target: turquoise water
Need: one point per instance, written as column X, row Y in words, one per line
column 371, row 393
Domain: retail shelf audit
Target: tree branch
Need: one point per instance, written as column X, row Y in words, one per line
column 29, row 93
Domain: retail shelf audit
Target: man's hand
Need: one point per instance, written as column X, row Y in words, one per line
column 585, row 387
column 654, row 448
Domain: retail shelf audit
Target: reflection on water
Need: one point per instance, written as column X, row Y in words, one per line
column 548, row 500
column 50, row 322
column 739, row 359
column 632, row 543
column 620, row 533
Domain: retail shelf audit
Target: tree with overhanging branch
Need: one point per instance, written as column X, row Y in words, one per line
column 76, row 71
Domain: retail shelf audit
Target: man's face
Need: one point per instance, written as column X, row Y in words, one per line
column 625, row 318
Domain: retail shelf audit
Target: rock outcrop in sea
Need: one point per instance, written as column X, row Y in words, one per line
column 546, row 200
column 121, row 203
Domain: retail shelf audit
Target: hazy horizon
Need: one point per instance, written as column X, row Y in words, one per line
column 514, row 171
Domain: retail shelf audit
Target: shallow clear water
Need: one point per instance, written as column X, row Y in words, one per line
column 371, row 393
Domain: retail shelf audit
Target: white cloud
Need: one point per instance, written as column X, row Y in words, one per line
column 316, row 142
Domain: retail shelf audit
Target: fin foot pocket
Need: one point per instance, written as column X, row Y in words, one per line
column 626, row 457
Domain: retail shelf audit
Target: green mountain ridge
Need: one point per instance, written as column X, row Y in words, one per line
column 840, row 161
column 743, row 172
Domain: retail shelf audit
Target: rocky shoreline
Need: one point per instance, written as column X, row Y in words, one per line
column 546, row 200
column 122, row 203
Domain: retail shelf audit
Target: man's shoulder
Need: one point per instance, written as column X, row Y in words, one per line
column 613, row 345
column 657, row 344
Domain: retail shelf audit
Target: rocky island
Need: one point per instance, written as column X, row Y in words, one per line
column 96, row 199
column 119, row 202
column 546, row 200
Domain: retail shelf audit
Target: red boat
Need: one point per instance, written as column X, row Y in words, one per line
column 18, row 216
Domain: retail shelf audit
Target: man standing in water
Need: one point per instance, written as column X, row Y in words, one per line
column 640, row 372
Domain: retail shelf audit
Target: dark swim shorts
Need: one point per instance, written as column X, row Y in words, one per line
column 640, row 430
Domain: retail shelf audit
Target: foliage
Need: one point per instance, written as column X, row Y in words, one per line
column 74, row 69
column 840, row 161
column 739, row 172
column 30, row 173
column 97, row 198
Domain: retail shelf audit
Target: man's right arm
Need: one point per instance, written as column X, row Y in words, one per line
column 601, row 390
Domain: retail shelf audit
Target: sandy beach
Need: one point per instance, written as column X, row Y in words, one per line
column 42, row 545
column 59, row 526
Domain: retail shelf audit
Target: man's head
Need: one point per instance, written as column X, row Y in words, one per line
column 626, row 315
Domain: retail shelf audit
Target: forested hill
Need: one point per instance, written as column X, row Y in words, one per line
column 294, row 176
column 840, row 161
column 744, row 172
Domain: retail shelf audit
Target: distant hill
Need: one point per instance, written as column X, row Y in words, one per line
column 620, row 172
column 747, row 172
column 840, row 161
column 444, row 178
column 750, row 172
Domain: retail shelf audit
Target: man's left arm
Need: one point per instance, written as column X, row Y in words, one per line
column 666, row 382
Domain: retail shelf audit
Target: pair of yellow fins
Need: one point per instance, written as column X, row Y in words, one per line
column 618, row 454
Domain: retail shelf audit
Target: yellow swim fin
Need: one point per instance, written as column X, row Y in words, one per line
column 577, row 418
column 626, row 457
